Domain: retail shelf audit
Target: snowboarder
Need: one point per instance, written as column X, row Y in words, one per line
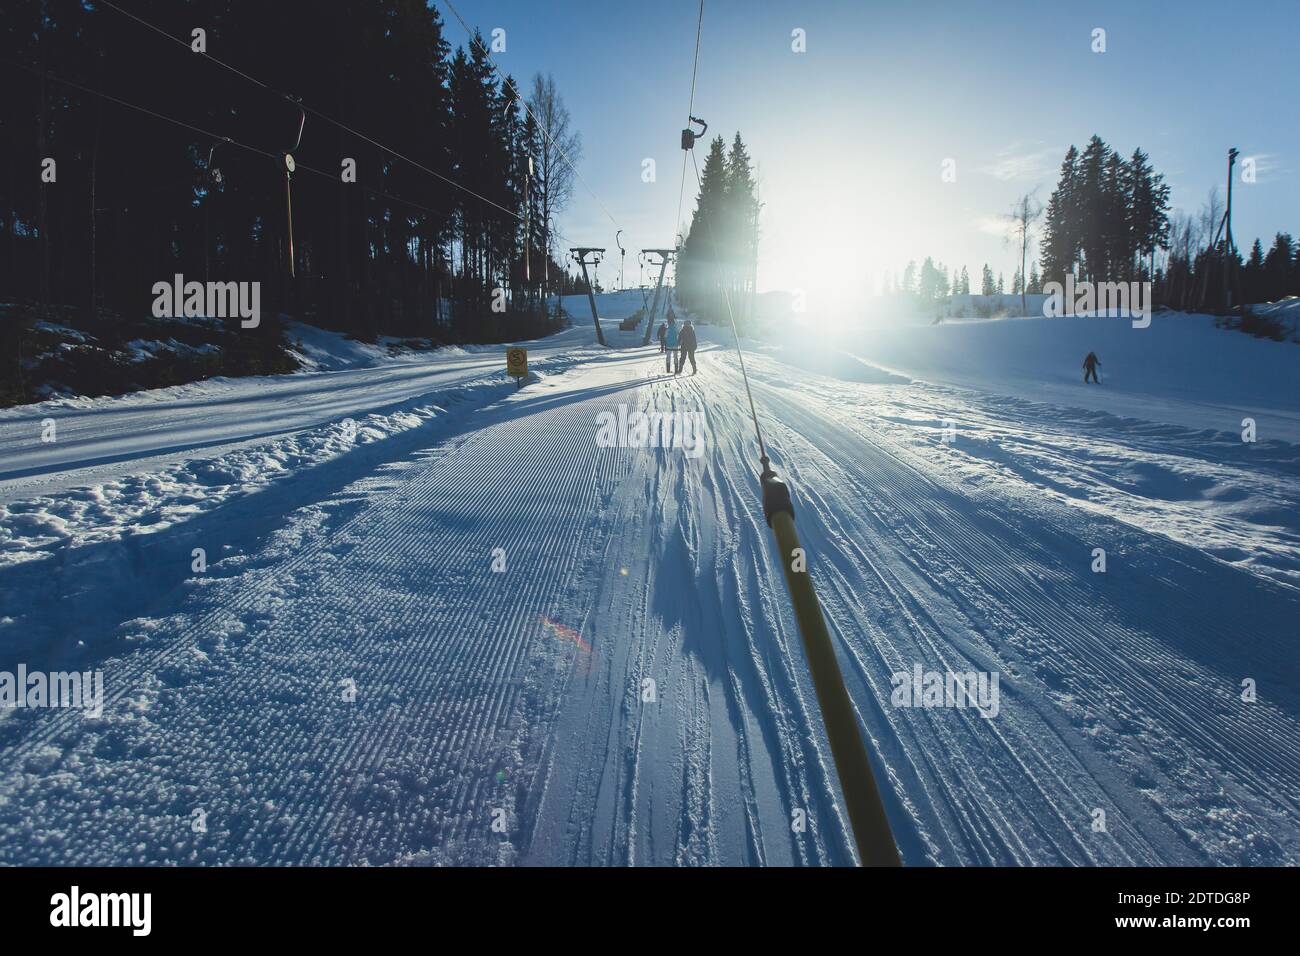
column 688, row 348
column 663, row 327
column 670, row 342
column 1090, row 368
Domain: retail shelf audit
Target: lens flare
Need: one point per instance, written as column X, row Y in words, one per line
column 566, row 634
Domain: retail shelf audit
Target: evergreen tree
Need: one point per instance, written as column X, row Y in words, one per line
column 1278, row 267
column 1252, row 276
column 1061, row 231
column 1116, row 229
column 380, row 253
column 929, row 283
column 1093, row 208
column 701, row 265
column 741, row 223
column 986, row 281
column 1147, row 198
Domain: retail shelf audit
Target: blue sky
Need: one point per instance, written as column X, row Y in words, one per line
column 850, row 136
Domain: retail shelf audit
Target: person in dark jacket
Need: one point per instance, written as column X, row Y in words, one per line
column 1090, row 368
column 663, row 327
column 688, row 344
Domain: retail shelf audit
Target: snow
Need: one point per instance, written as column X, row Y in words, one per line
column 324, row 350
column 520, row 694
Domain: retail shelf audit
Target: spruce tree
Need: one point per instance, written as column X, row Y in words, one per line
column 1093, row 208
column 1253, row 285
column 1060, row 247
column 1278, row 267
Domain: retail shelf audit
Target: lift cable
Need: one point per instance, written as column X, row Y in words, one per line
column 325, row 174
column 690, row 114
column 866, row 810
column 315, row 112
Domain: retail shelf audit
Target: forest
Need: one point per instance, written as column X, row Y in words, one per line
column 156, row 140
column 1109, row 220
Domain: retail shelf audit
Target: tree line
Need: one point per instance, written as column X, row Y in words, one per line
column 1109, row 220
column 379, row 244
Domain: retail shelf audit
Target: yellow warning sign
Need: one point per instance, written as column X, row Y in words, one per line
column 517, row 362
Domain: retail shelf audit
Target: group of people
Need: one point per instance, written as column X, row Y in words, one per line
column 678, row 345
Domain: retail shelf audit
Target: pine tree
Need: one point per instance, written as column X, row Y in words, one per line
column 741, row 215
column 1035, row 286
column 1115, row 226
column 1278, row 267
column 702, row 256
column 909, row 283
column 1094, row 208
column 1252, row 276
column 986, row 281
column 1147, row 199
column 1061, row 231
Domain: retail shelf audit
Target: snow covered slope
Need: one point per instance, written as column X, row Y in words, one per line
column 416, row 637
column 144, row 460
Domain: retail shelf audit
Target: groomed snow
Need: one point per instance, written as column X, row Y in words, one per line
column 520, row 694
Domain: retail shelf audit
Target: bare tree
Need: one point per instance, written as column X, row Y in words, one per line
column 1208, row 225
column 1182, row 239
column 559, row 150
column 1025, row 213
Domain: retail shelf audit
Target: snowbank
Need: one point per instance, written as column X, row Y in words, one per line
column 323, row 350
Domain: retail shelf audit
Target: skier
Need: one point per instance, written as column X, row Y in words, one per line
column 688, row 348
column 670, row 342
column 1090, row 368
column 662, row 329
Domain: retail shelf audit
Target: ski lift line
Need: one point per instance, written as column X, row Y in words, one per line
column 524, row 103
column 690, row 111
column 681, row 191
column 137, row 108
column 315, row 112
column 222, row 138
column 866, row 809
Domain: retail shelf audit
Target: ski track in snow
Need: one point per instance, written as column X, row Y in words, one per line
column 519, row 696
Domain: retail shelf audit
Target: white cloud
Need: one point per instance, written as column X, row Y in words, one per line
column 1267, row 165
column 999, row 226
column 1021, row 161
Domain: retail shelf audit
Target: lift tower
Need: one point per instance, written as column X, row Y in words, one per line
column 665, row 256
column 580, row 254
